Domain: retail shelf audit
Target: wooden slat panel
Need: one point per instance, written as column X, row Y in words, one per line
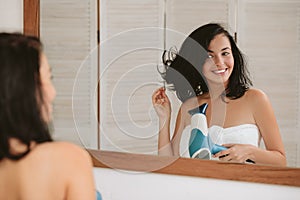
column 70, row 44
column 131, row 46
column 269, row 37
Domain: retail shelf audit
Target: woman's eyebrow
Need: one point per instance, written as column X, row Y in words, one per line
column 225, row 48
column 210, row 51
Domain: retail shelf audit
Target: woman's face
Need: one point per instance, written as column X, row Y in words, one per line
column 48, row 89
column 218, row 67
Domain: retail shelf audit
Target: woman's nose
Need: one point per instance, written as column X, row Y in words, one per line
column 218, row 61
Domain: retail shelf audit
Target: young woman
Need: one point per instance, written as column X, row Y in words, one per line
column 209, row 68
column 32, row 166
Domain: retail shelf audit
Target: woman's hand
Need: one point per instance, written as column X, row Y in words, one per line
column 236, row 153
column 161, row 103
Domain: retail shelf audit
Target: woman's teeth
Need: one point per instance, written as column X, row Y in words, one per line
column 219, row 71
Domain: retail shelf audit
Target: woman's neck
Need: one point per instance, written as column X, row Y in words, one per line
column 216, row 91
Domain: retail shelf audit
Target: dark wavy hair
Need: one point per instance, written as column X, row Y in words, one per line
column 21, row 95
column 184, row 72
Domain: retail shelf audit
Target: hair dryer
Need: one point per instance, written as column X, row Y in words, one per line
column 200, row 144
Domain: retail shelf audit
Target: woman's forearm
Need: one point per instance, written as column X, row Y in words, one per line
column 267, row 157
column 164, row 143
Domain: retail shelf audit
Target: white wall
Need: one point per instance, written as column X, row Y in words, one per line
column 11, row 15
column 121, row 185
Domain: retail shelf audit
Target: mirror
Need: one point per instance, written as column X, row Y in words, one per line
column 131, row 49
column 242, row 33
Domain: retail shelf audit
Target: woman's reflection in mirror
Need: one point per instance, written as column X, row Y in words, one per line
column 210, row 68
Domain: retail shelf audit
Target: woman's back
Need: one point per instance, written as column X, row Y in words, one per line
column 32, row 166
column 52, row 170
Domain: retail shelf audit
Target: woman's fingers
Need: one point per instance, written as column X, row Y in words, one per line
column 222, row 154
column 165, row 95
column 159, row 96
column 228, row 145
column 161, row 103
column 235, row 153
column 155, row 95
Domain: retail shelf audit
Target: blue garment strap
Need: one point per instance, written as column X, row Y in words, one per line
column 99, row 197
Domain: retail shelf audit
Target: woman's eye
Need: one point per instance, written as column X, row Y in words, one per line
column 225, row 53
column 210, row 56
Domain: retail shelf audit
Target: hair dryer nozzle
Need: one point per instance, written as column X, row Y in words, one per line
column 201, row 109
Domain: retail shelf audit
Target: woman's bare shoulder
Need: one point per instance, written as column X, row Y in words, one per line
column 256, row 97
column 256, row 94
column 62, row 152
column 193, row 102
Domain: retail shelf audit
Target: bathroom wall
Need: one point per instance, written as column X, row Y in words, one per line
column 119, row 185
column 11, row 15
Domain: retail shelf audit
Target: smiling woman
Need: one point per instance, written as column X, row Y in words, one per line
column 182, row 166
column 131, row 130
column 209, row 68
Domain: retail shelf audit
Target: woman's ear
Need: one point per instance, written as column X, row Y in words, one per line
column 16, row 147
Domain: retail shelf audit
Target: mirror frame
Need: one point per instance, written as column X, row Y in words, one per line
column 176, row 166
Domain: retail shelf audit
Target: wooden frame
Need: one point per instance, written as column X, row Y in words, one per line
column 172, row 165
column 197, row 168
column 31, row 17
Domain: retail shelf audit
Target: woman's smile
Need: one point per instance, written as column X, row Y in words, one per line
column 220, row 72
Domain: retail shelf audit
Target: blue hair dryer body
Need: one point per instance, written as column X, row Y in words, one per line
column 200, row 144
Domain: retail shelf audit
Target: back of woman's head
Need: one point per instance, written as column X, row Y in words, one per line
column 185, row 71
column 21, row 96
